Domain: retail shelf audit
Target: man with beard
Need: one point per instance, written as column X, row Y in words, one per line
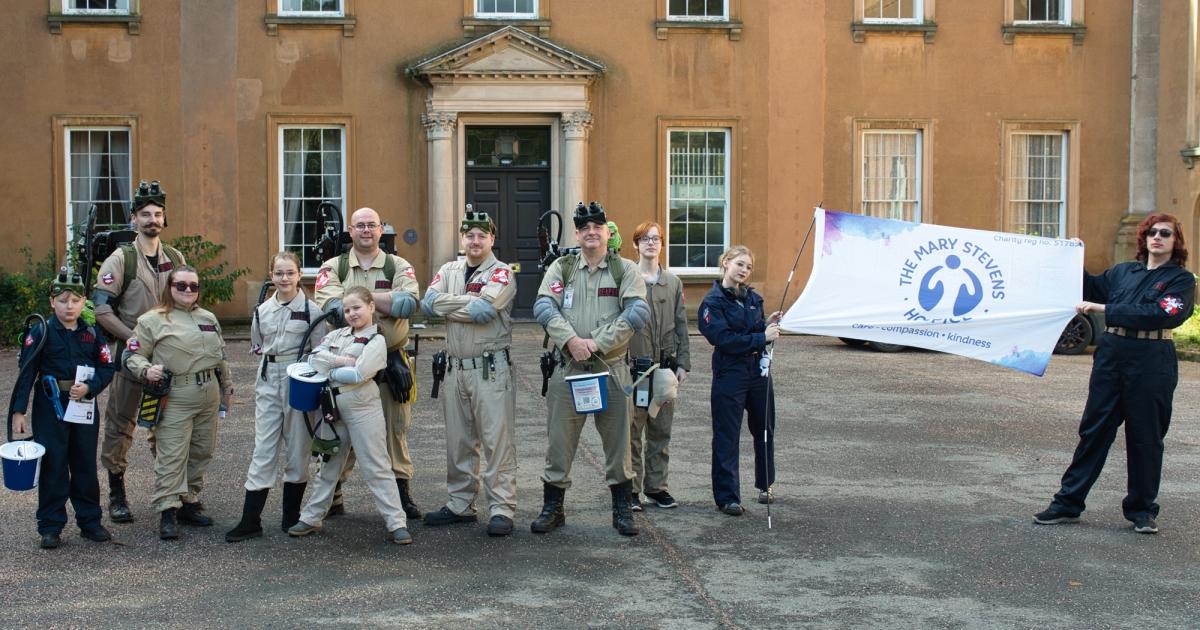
column 131, row 281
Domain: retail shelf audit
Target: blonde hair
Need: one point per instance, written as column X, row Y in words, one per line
column 734, row 252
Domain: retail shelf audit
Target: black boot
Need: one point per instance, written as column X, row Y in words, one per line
column 251, row 524
column 168, row 529
column 293, row 495
column 118, row 509
column 622, row 509
column 552, row 515
column 191, row 514
column 410, row 508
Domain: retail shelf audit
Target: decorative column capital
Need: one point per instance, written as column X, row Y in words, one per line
column 439, row 125
column 575, row 124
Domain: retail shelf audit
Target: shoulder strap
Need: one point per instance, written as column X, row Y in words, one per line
column 130, row 254
column 389, row 266
column 616, row 268
column 566, row 267
column 174, row 255
column 343, row 267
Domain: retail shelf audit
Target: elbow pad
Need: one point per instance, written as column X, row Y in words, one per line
column 101, row 297
column 636, row 313
column 403, row 305
column 544, row 310
column 481, row 311
column 346, row 375
column 427, row 303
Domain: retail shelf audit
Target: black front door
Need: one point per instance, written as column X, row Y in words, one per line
column 515, row 190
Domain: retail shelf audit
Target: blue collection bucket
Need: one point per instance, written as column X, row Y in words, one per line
column 22, row 464
column 589, row 392
column 304, row 387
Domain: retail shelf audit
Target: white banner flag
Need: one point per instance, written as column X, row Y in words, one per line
column 992, row 296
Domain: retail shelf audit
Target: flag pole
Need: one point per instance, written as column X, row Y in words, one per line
column 768, row 354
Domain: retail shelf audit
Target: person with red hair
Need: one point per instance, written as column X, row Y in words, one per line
column 1134, row 372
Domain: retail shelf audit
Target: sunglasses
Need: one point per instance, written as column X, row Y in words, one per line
column 187, row 287
column 1163, row 232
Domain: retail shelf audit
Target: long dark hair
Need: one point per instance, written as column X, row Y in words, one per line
column 1179, row 254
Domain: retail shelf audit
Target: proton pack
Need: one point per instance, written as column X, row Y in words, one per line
column 334, row 239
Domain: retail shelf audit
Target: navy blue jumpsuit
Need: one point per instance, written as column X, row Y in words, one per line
column 69, row 465
column 1133, row 381
column 735, row 327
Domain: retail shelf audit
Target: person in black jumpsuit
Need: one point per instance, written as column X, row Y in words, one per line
column 731, row 319
column 69, row 465
column 1134, row 372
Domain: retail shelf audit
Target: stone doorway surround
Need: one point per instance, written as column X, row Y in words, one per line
column 505, row 77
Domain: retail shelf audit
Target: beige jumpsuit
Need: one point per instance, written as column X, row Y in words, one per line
column 189, row 345
column 361, row 426
column 394, row 331
column 479, row 401
column 588, row 308
column 137, row 295
column 667, row 333
column 275, row 335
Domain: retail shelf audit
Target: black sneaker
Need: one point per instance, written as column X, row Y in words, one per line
column 733, row 509
column 1145, row 525
column 499, row 526
column 635, row 502
column 1051, row 516
column 50, row 541
column 96, row 533
column 445, row 517
column 662, row 499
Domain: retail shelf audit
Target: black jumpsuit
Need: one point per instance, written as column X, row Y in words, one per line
column 1133, row 381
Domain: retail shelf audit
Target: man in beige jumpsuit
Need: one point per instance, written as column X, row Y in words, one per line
column 119, row 302
column 480, row 403
column 395, row 301
column 590, row 318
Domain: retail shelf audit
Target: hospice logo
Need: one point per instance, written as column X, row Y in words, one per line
column 949, row 282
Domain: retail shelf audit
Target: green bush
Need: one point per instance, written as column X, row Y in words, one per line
column 199, row 253
column 25, row 293
column 1187, row 336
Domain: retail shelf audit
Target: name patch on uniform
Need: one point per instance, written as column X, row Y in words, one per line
column 556, row 287
column 501, row 276
column 1159, row 286
column 133, row 344
column 1170, row 304
column 105, row 355
column 608, row 292
column 165, row 267
column 322, row 279
column 300, row 315
column 475, row 287
column 107, row 278
column 362, row 340
column 383, row 284
column 88, row 337
column 208, row 327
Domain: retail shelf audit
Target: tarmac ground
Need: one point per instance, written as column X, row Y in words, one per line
column 906, row 485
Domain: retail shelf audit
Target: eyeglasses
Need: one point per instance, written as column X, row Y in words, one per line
column 1163, row 232
column 366, row 227
column 284, row 274
column 650, row 239
column 187, row 287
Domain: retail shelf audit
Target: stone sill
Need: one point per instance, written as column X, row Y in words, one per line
column 663, row 27
column 132, row 22
column 1010, row 31
column 859, row 30
column 475, row 27
column 1190, row 156
column 274, row 21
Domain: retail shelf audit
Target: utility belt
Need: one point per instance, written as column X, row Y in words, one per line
column 486, row 360
column 202, row 377
column 345, row 389
column 1132, row 333
column 286, row 359
column 741, row 355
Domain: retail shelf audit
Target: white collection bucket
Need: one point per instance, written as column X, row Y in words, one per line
column 22, row 464
column 589, row 392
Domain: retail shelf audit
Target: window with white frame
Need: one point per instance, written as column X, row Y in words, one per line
column 697, row 197
column 715, row 10
column 893, row 11
column 1037, row 184
column 506, row 9
column 311, row 8
column 97, row 173
column 891, row 174
column 312, row 169
column 96, row 7
column 1042, row 11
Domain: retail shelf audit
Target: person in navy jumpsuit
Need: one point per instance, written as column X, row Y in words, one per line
column 69, row 465
column 731, row 319
column 1134, row 372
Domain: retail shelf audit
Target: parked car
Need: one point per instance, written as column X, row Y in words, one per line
column 1081, row 332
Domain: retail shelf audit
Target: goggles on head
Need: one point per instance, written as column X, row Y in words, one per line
column 66, row 280
column 481, row 220
column 591, row 213
column 149, row 193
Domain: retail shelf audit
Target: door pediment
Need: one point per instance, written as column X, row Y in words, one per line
column 507, row 53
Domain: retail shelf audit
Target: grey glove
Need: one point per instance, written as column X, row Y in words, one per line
column 403, row 305
column 481, row 311
column 427, row 303
column 346, row 375
column 636, row 313
column 544, row 310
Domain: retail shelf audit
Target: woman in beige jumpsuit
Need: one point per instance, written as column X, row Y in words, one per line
column 351, row 357
column 180, row 338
